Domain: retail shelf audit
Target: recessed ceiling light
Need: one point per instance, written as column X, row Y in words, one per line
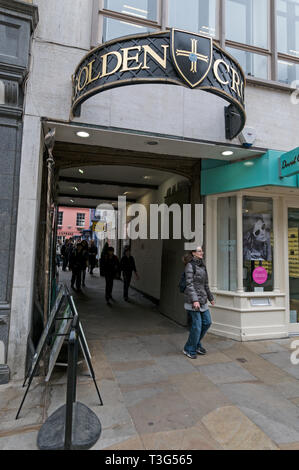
column 71, row 200
column 248, row 163
column 146, row 177
column 82, row 134
column 227, row 153
column 81, row 171
column 75, row 188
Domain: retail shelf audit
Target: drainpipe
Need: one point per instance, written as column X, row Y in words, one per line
column 49, row 142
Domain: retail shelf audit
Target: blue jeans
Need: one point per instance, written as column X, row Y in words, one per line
column 201, row 322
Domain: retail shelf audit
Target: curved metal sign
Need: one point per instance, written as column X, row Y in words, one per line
column 174, row 57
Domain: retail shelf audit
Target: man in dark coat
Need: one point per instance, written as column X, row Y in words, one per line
column 111, row 270
column 92, row 256
column 127, row 267
column 77, row 263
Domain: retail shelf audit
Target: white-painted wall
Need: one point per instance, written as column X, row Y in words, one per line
column 148, row 253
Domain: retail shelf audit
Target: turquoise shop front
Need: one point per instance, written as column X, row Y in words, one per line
column 252, row 245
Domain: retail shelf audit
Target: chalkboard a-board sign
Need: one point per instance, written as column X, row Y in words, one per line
column 46, row 333
column 63, row 311
column 63, row 328
column 44, row 339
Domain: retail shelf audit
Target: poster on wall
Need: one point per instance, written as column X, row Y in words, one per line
column 257, row 237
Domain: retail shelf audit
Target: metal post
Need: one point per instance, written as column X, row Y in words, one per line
column 71, row 383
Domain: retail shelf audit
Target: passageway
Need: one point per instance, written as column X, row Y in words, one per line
column 122, row 319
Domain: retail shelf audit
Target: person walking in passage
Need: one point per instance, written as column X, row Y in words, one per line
column 197, row 294
column 66, row 251
column 92, row 256
column 77, row 263
column 127, row 267
column 111, row 270
column 85, row 255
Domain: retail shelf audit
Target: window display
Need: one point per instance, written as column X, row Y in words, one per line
column 257, row 244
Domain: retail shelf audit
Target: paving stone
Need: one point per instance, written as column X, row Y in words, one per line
column 295, row 401
column 263, row 347
column 11, row 395
column 115, row 435
column 257, row 365
column 177, row 364
column 134, row 397
column 164, row 412
column 193, row 438
column 234, row 431
column 158, row 345
column 28, row 417
column 291, row 446
column 212, row 358
column 134, row 443
column 226, row 373
column 125, row 349
column 21, row 441
column 288, row 389
column 143, row 375
column 223, row 345
column 275, row 415
column 283, row 361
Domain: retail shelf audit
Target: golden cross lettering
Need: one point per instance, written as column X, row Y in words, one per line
column 193, row 55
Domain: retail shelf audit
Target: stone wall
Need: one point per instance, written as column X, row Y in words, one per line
column 17, row 21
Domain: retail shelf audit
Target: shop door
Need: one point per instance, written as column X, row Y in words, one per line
column 293, row 256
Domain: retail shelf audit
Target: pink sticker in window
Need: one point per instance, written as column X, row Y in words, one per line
column 260, row 275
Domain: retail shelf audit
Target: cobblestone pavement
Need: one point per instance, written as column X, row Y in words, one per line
column 238, row 396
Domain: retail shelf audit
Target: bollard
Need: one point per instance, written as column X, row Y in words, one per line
column 73, row 426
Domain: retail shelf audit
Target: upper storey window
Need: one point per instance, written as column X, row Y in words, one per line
column 247, row 22
column 288, row 27
column 140, row 9
column 198, row 16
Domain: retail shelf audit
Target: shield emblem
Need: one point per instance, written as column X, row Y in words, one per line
column 192, row 55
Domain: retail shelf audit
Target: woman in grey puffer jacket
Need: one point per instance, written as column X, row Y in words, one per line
column 197, row 294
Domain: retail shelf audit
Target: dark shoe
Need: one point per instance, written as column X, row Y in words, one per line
column 191, row 356
column 109, row 304
column 73, row 287
column 126, row 299
column 201, row 351
column 83, row 284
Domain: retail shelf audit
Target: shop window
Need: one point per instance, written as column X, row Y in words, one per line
column 227, row 244
column 194, row 15
column 258, row 241
column 288, row 27
column 254, row 65
column 116, row 28
column 141, row 9
column 247, row 22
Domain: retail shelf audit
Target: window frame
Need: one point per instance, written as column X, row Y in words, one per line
column 84, row 219
column 60, row 214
